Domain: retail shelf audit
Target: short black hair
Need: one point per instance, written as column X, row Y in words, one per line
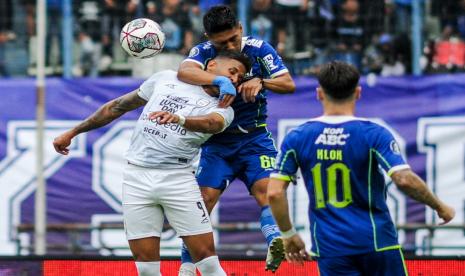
column 338, row 80
column 218, row 19
column 239, row 56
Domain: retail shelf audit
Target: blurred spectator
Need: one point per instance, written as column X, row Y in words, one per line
column 113, row 15
column 174, row 21
column 88, row 19
column 262, row 16
column 54, row 29
column 6, row 32
column 349, row 33
column 291, row 14
column 461, row 19
column 447, row 54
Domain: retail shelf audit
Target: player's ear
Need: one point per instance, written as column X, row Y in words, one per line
column 358, row 92
column 319, row 93
column 211, row 66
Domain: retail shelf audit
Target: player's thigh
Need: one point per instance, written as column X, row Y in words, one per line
column 384, row 263
column 258, row 157
column 145, row 249
column 200, row 246
column 214, row 170
column 142, row 220
column 184, row 207
column 343, row 265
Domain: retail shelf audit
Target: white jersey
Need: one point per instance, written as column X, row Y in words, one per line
column 171, row 145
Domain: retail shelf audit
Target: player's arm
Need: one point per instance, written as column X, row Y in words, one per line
column 282, row 84
column 412, row 185
column 193, row 73
column 103, row 116
column 210, row 123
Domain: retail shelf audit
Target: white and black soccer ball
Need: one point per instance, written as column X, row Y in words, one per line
column 142, row 38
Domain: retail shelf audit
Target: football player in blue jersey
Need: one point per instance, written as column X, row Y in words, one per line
column 340, row 157
column 245, row 150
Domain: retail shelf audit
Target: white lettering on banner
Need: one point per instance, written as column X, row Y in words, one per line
column 298, row 197
column 443, row 141
column 17, row 179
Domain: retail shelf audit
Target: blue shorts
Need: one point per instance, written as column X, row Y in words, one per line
column 249, row 157
column 384, row 263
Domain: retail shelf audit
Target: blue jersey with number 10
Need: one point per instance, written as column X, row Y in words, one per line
column 340, row 159
column 266, row 63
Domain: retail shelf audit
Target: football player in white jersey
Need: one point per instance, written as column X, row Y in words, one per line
column 158, row 179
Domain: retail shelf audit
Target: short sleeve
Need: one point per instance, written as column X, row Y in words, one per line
column 386, row 150
column 226, row 113
column 286, row 163
column 146, row 89
column 200, row 54
column 271, row 61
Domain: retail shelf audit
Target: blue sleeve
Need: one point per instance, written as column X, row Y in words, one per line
column 386, row 150
column 201, row 54
column 271, row 61
column 286, row 163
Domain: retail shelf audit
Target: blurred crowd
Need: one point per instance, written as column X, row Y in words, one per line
column 374, row 35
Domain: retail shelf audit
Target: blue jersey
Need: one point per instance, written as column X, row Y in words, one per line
column 266, row 63
column 340, row 159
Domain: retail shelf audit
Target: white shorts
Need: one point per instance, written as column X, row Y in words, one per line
column 149, row 193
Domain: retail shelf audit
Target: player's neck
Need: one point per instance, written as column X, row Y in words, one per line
column 211, row 90
column 340, row 109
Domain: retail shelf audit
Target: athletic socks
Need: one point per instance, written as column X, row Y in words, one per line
column 210, row 267
column 148, row 268
column 268, row 226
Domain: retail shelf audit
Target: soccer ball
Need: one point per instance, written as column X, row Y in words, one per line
column 142, row 38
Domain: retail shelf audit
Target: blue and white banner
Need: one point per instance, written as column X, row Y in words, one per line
column 426, row 114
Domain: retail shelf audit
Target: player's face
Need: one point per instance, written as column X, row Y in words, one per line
column 227, row 40
column 230, row 68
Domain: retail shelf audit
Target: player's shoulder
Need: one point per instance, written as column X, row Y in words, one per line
column 255, row 44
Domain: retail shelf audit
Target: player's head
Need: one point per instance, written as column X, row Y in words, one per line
column 338, row 82
column 223, row 29
column 230, row 64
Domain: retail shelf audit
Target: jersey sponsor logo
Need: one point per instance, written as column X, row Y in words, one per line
column 194, row 52
column 170, row 85
column 394, row 147
column 178, row 99
column 269, row 62
column 254, row 42
column 203, row 102
column 207, row 46
column 332, row 137
column 171, row 105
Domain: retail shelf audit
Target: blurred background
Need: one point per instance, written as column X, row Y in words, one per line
column 411, row 54
column 378, row 36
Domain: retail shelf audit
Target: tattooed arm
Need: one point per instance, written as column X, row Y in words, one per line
column 412, row 185
column 103, row 116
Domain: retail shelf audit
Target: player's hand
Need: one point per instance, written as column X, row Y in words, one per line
column 446, row 213
column 250, row 89
column 226, row 88
column 62, row 142
column 226, row 101
column 164, row 117
column 294, row 249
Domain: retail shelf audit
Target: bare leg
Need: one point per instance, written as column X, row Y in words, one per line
column 146, row 252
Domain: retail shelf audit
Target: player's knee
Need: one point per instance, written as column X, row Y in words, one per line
column 144, row 256
column 202, row 252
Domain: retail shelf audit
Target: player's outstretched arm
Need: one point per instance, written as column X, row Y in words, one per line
column 210, row 123
column 103, row 116
column 412, row 185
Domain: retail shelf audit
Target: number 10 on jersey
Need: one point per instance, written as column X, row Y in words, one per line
column 333, row 172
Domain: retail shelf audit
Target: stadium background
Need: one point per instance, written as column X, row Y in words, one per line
column 411, row 53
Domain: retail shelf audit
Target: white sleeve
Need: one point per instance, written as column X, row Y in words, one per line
column 226, row 113
column 146, row 89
